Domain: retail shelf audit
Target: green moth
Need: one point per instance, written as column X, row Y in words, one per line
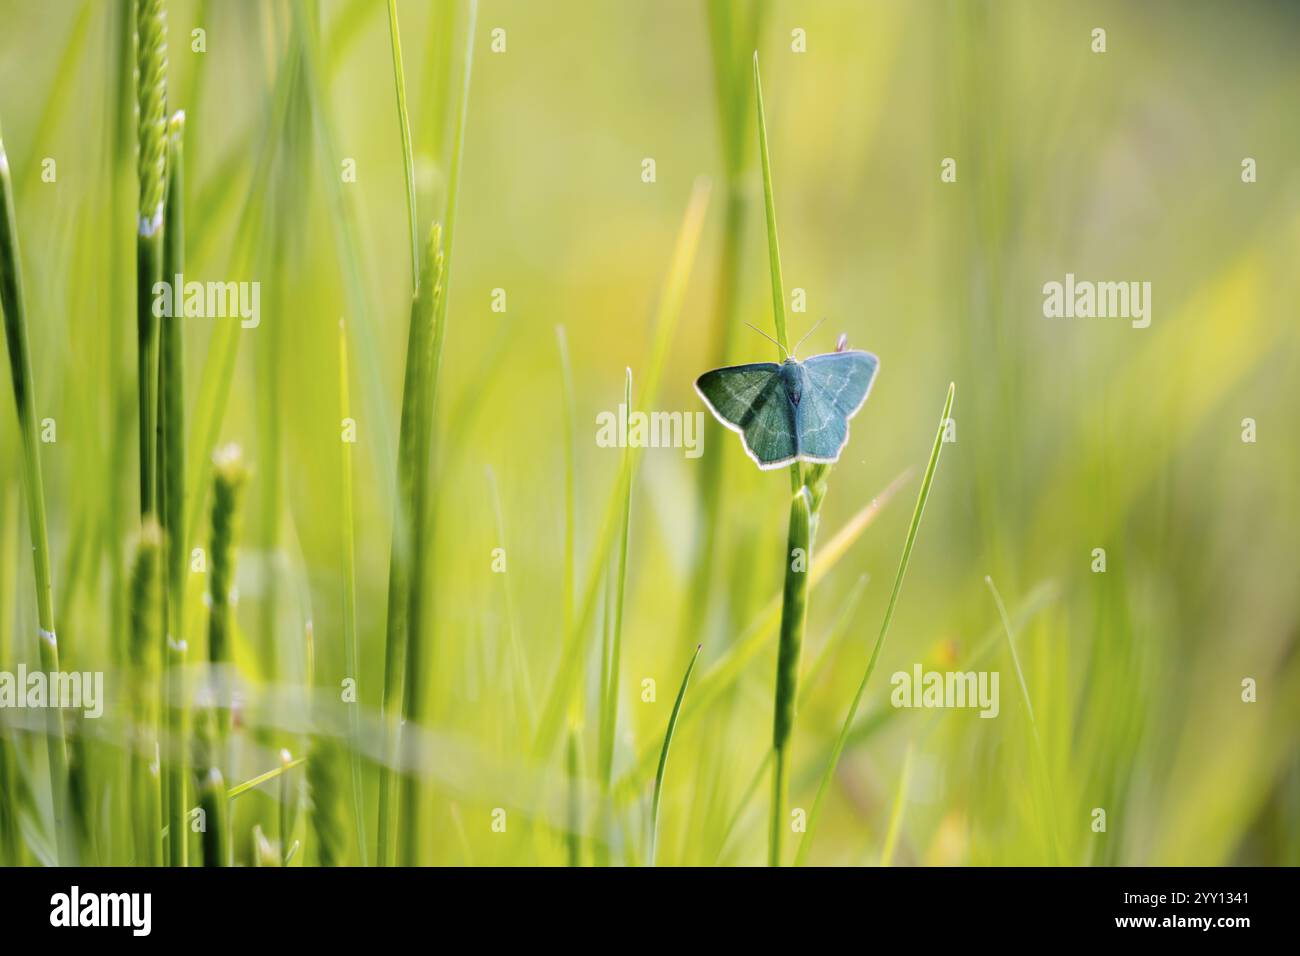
column 794, row 411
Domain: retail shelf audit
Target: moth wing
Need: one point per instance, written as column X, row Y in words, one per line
column 751, row 400
column 732, row 392
column 842, row 378
column 835, row 387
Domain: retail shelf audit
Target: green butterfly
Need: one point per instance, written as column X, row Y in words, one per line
column 795, row 411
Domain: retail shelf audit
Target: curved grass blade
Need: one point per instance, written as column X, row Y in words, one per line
column 352, row 660
column 896, row 814
column 806, row 844
column 731, row 664
column 404, row 121
column 663, row 755
column 1046, row 796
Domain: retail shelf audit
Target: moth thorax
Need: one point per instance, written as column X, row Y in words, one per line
column 792, row 379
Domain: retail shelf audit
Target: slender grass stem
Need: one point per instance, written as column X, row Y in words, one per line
column 254, row 782
column 521, row 681
column 794, row 616
column 573, row 828
column 404, row 121
column 730, row 43
column 14, row 305
column 924, row 494
column 151, row 93
column 229, row 475
column 285, row 805
column 657, row 798
column 733, row 661
column 438, row 266
column 216, row 808
column 10, row 841
column 804, row 505
column 900, row 805
column 570, row 469
column 402, row 660
column 1048, row 796
column 665, row 325
column 769, row 207
column 171, row 492
column 145, row 655
column 611, row 667
column 351, row 652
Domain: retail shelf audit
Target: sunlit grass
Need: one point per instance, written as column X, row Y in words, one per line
column 545, row 690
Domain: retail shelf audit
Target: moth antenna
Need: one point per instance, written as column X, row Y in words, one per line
column 770, row 339
column 809, row 332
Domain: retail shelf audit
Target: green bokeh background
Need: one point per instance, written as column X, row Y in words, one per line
column 1072, row 434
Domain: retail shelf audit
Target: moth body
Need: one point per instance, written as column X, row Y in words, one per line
column 792, row 375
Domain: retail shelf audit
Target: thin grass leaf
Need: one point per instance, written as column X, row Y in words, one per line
column 769, row 208
column 404, row 579
column 404, row 122
column 794, row 618
column 665, row 324
column 896, row 813
column 151, row 54
column 252, row 784
column 733, row 661
column 170, row 450
column 663, row 755
column 523, row 683
column 924, row 494
column 1047, row 798
column 570, row 470
column 145, row 657
column 13, row 304
column 609, row 703
column 216, row 808
column 573, row 829
column 351, row 652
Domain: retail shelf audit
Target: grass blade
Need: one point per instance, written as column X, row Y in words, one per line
column 145, row 656
column 769, row 207
column 170, row 450
column 665, row 324
column 351, row 653
column 573, row 830
column 896, row 814
column 1047, row 797
column 403, row 580
column 731, row 664
column 806, row 844
column 570, row 469
column 13, row 304
column 663, row 755
column 404, row 121
column 794, row 618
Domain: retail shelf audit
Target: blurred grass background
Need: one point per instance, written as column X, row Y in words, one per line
column 1071, row 434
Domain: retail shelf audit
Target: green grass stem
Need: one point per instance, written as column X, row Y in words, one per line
column 657, row 797
column 806, row 844
column 665, row 325
column 170, row 450
column 351, row 651
column 14, row 305
column 404, row 122
column 794, row 617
